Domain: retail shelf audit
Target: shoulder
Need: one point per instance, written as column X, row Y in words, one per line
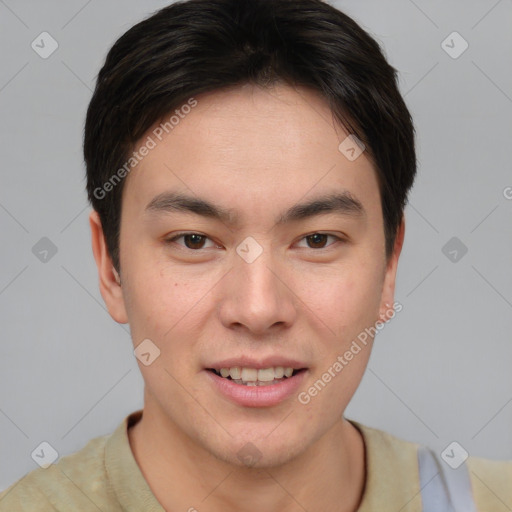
column 392, row 475
column 377, row 440
column 75, row 482
column 393, row 461
column 491, row 481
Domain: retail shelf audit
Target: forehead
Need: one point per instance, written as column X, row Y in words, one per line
column 251, row 148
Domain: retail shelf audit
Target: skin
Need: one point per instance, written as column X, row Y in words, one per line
column 256, row 152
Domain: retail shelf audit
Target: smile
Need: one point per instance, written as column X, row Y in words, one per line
column 254, row 376
column 252, row 387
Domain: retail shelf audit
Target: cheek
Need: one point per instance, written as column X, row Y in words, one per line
column 156, row 306
column 349, row 298
column 164, row 305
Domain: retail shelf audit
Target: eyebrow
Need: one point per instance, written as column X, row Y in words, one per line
column 341, row 203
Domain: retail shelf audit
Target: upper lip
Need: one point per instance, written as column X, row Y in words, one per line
column 259, row 364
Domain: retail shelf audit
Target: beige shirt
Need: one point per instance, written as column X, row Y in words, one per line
column 104, row 476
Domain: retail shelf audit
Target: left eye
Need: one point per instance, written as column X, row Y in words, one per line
column 318, row 240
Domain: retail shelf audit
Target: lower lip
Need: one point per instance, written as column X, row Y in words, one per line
column 257, row 396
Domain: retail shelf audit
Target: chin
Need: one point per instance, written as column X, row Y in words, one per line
column 258, row 451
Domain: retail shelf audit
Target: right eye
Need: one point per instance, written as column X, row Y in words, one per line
column 192, row 241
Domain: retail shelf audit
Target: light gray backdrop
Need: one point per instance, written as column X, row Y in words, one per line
column 440, row 370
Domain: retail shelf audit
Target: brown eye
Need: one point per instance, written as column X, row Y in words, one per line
column 193, row 241
column 317, row 240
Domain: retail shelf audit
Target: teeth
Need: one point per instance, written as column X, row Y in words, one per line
column 249, row 374
column 235, row 373
column 266, row 375
column 253, row 376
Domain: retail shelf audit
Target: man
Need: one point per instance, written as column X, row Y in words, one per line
column 248, row 164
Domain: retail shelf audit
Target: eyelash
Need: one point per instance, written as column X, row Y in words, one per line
column 181, row 235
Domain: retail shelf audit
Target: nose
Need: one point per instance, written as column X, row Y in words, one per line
column 257, row 297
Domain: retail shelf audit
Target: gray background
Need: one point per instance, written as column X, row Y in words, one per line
column 440, row 371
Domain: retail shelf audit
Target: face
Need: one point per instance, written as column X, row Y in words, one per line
column 250, row 243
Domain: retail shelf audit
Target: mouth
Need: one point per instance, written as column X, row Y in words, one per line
column 256, row 382
column 254, row 377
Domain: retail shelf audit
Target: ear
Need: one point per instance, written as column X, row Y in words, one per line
column 109, row 280
column 388, row 290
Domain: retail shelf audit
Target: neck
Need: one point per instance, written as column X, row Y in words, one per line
column 329, row 475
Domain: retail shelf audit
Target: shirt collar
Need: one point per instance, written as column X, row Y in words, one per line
column 391, row 471
column 392, row 476
column 128, row 483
